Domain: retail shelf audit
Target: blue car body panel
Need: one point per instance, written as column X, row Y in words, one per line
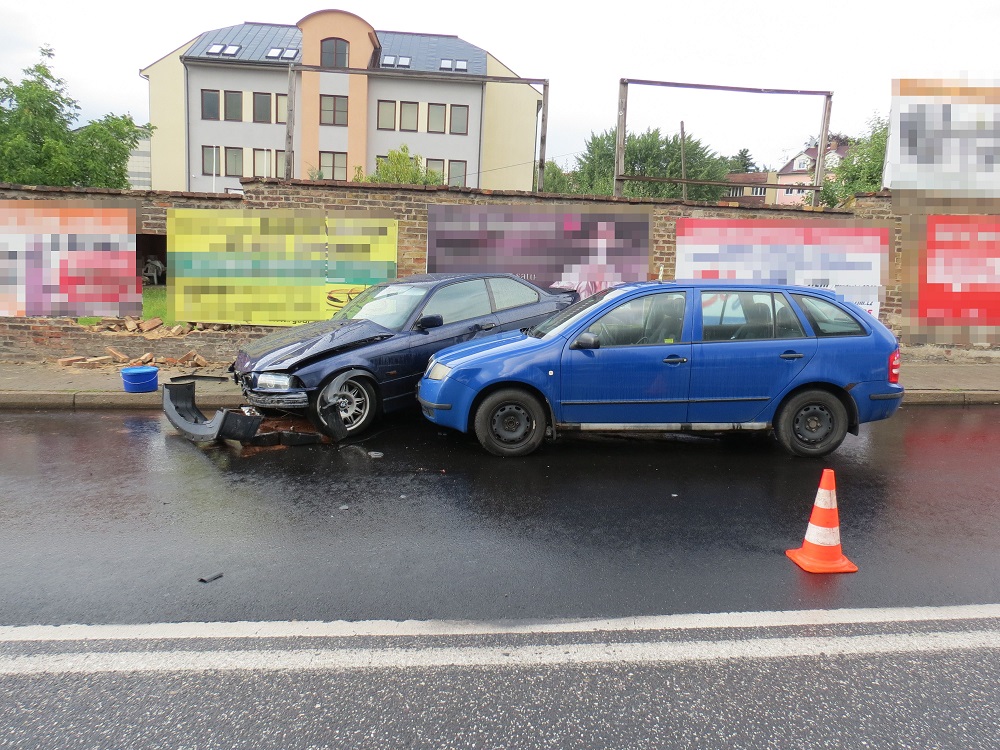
column 684, row 384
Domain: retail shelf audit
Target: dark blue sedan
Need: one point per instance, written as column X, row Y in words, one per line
column 701, row 356
column 368, row 358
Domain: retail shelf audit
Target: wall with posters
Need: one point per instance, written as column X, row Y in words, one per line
column 68, row 258
column 852, row 258
column 273, row 267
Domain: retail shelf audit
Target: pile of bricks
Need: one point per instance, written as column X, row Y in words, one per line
column 191, row 359
column 128, row 324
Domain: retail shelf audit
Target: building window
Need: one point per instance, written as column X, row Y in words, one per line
column 403, row 62
column 436, row 165
column 281, row 108
column 386, row 115
column 456, row 173
column 260, row 162
column 735, row 192
column 261, row 107
column 460, row 119
column 802, row 164
column 333, row 165
column 332, row 110
column 462, row 66
column 408, row 116
column 210, row 160
column 209, row 105
column 789, row 191
column 445, row 64
column 380, row 160
column 279, row 163
column 799, row 191
column 758, row 191
column 435, row 117
column 234, row 106
column 234, row 162
column 333, row 53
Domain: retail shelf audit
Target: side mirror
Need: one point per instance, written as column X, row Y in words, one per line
column 586, row 340
column 430, row 321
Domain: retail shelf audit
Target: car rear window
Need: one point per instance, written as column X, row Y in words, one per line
column 509, row 293
column 827, row 318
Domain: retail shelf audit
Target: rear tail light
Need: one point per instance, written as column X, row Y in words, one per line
column 894, row 367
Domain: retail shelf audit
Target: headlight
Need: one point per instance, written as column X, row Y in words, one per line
column 438, row 371
column 275, row 381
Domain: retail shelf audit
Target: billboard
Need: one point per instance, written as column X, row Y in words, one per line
column 68, row 258
column 849, row 257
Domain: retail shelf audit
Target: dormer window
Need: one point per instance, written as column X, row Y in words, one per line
column 274, row 53
column 445, row 64
column 289, row 54
column 215, row 49
column 802, row 163
column 231, row 49
column 404, row 62
column 333, row 53
column 462, row 66
column 389, row 61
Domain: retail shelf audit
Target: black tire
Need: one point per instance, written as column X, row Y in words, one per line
column 358, row 406
column 510, row 422
column 811, row 423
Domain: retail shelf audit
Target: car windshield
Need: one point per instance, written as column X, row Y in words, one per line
column 389, row 306
column 569, row 315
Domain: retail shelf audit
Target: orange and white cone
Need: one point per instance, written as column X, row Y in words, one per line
column 820, row 551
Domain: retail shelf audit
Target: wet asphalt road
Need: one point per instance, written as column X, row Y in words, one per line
column 113, row 518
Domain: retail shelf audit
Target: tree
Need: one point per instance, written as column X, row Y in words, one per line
column 400, row 167
column 649, row 154
column 38, row 142
column 742, row 162
column 860, row 171
column 557, row 180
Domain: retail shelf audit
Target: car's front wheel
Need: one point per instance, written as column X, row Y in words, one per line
column 811, row 423
column 510, row 422
column 355, row 400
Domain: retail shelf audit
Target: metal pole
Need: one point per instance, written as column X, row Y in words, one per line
column 821, row 148
column 541, row 139
column 620, row 140
column 290, row 124
column 684, row 174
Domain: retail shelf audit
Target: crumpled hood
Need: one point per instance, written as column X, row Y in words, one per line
column 285, row 349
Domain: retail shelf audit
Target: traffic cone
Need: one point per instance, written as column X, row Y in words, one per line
column 820, row 551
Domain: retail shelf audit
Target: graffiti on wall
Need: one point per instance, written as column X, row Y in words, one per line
column 273, row 267
column 68, row 258
column 567, row 247
column 850, row 258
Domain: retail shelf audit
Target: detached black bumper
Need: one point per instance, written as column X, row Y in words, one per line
column 184, row 415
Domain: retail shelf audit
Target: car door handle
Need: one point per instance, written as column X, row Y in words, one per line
column 673, row 359
column 791, row 355
column 486, row 326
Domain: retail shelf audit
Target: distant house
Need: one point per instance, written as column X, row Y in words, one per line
column 755, row 195
column 799, row 171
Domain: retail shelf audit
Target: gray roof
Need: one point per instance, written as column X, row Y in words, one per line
column 255, row 40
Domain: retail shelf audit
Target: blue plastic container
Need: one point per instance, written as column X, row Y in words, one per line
column 141, row 379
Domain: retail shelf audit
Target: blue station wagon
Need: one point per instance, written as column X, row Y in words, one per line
column 699, row 356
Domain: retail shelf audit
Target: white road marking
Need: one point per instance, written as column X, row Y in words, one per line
column 339, row 660
column 411, row 628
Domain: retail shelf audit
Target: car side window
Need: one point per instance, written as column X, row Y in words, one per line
column 737, row 315
column 653, row 319
column 786, row 322
column 509, row 293
column 828, row 319
column 461, row 301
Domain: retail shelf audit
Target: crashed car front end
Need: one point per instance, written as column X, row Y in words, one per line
column 271, row 390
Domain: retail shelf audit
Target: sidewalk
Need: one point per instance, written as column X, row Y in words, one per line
column 49, row 386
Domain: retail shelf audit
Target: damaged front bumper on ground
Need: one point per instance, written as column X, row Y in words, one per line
column 186, row 417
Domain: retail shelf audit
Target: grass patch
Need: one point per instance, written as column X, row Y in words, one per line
column 154, row 305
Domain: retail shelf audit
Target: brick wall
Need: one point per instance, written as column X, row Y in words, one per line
column 32, row 339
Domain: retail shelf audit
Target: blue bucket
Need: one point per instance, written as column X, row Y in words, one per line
column 140, row 379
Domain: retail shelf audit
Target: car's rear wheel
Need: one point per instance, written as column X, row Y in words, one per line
column 355, row 399
column 510, row 422
column 811, row 423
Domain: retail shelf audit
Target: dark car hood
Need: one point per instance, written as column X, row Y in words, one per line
column 296, row 346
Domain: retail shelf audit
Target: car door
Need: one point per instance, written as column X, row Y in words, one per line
column 640, row 372
column 465, row 309
column 749, row 345
column 517, row 304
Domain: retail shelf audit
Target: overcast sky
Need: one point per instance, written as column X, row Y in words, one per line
column 854, row 49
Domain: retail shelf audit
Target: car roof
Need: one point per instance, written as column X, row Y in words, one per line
column 429, row 279
column 728, row 284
